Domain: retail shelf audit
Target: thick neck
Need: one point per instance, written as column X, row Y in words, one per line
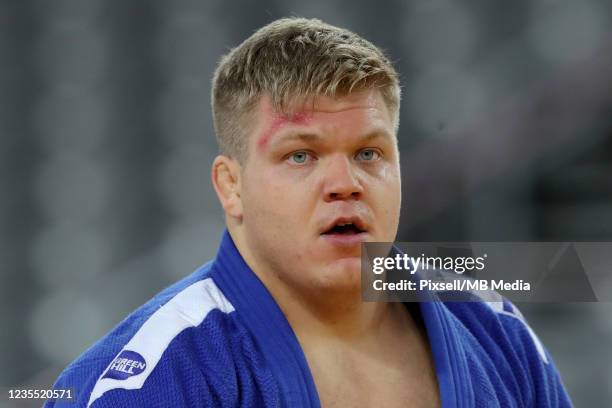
column 325, row 315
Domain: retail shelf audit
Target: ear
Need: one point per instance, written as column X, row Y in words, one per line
column 226, row 180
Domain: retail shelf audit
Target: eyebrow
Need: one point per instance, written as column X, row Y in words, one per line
column 311, row 137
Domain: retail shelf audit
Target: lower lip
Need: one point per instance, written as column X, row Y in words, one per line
column 345, row 240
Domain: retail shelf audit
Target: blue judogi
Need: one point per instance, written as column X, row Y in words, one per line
column 218, row 339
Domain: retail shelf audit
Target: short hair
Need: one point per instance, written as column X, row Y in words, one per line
column 294, row 59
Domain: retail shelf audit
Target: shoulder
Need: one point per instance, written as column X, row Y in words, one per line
column 154, row 348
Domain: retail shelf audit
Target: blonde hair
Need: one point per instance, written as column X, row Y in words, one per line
column 289, row 59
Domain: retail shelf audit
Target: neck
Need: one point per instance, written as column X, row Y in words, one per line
column 342, row 318
column 328, row 314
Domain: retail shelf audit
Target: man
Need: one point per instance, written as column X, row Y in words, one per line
column 306, row 116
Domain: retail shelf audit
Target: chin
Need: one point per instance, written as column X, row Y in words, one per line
column 342, row 274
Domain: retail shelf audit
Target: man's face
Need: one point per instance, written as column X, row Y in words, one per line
column 317, row 183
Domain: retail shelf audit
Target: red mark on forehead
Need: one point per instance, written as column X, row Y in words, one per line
column 280, row 121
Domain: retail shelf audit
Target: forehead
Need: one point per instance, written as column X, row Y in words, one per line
column 355, row 113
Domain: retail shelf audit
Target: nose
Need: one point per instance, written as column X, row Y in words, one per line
column 341, row 181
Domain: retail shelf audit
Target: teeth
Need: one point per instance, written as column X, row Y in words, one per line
column 348, row 223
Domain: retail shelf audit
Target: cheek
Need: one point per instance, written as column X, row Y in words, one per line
column 276, row 198
column 385, row 192
column 292, row 188
column 385, row 182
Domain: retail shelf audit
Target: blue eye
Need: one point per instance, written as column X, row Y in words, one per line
column 368, row 155
column 299, row 157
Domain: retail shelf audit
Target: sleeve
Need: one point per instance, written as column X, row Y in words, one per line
column 79, row 383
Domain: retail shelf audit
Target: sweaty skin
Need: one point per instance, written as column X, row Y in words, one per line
column 331, row 183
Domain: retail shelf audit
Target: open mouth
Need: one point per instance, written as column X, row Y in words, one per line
column 344, row 229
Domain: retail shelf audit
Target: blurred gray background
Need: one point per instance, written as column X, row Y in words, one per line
column 106, row 143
